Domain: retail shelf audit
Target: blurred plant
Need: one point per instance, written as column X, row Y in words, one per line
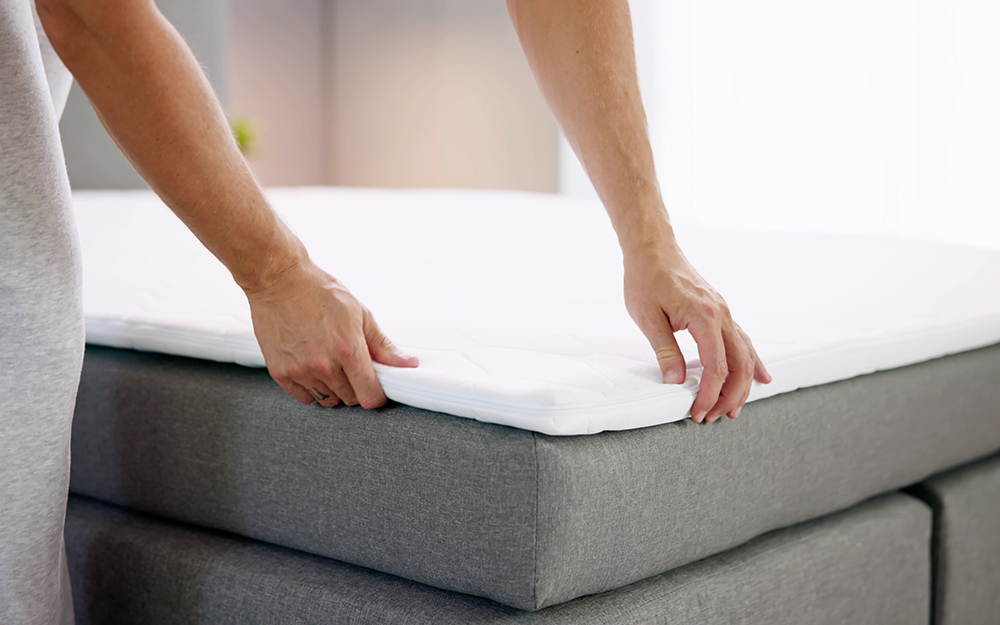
column 246, row 133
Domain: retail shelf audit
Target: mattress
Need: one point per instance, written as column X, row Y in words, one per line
column 513, row 301
column 966, row 505
column 870, row 564
column 523, row 518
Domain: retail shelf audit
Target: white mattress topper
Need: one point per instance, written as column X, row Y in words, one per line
column 513, row 301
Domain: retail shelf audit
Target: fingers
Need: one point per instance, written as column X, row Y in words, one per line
column 742, row 367
column 361, row 375
column 323, row 394
column 333, row 382
column 715, row 369
column 658, row 276
column 319, row 341
column 760, row 373
column 381, row 349
column 328, row 384
column 349, row 376
column 668, row 354
column 330, row 380
column 736, row 388
column 354, row 381
column 294, row 389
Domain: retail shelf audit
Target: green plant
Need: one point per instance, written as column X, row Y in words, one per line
column 245, row 132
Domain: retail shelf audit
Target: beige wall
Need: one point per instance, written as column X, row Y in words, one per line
column 390, row 93
column 436, row 93
column 277, row 64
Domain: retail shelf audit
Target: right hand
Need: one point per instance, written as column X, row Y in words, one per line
column 664, row 294
column 319, row 341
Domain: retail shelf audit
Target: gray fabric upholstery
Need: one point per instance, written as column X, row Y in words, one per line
column 966, row 506
column 527, row 520
column 434, row 498
column 867, row 565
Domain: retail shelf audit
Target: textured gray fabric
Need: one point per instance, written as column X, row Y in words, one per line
column 966, row 506
column 440, row 499
column 867, row 565
column 527, row 520
column 41, row 328
column 56, row 74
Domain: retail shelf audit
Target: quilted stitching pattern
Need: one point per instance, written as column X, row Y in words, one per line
column 513, row 300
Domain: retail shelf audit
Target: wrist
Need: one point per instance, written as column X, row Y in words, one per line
column 650, row 235
column 271, row 268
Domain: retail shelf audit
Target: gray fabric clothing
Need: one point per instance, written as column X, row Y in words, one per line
column 527, row 520
column 870, row 564
column 41, row 326
column 966, row 506
column 59, row 79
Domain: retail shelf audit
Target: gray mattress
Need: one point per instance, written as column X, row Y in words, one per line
column 966, row 504
column 867, row 565
column 524, row 519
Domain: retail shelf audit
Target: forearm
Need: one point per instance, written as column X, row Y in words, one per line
column 156, row 103
column 581, row 53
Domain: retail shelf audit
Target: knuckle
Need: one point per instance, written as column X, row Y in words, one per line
column 294, row 372
column 717, row 368
column 712, row 311
column 649, row 318
column 373, row 401
column 347, row 353
column 321, row 366
column 721, row 408
column 667, row 353
column 304, row 396
column 280, row 377
column 705, row 401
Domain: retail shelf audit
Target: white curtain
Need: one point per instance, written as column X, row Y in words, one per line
column 858, row 116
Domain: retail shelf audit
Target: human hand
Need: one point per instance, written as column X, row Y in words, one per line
column 319, row 341
column 664, row 294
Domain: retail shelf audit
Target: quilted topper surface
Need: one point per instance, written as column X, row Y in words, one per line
column 513, row 301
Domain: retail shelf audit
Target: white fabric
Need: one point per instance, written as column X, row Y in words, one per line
column 513, row 301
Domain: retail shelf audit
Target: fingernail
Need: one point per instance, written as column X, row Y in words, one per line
column 698, row 418
column 405, row 356
column 736, row 413
column 712, row 419
column 671, row 377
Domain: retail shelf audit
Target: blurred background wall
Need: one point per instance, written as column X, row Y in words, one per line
column 278, row 60
column 386, row 93
column 435, row 93
column 92, row 159
column 858, row 117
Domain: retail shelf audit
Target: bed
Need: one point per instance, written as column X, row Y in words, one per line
column 533, row 458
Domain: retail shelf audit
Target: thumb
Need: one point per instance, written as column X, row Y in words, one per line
column 668, row 354
column 382, row 349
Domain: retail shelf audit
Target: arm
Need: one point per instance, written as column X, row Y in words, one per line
column 151, row 95
column 582, row 55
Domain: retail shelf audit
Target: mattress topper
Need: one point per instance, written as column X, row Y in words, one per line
column 513, row 301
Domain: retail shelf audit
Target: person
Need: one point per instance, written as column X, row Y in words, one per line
column 318, row 340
